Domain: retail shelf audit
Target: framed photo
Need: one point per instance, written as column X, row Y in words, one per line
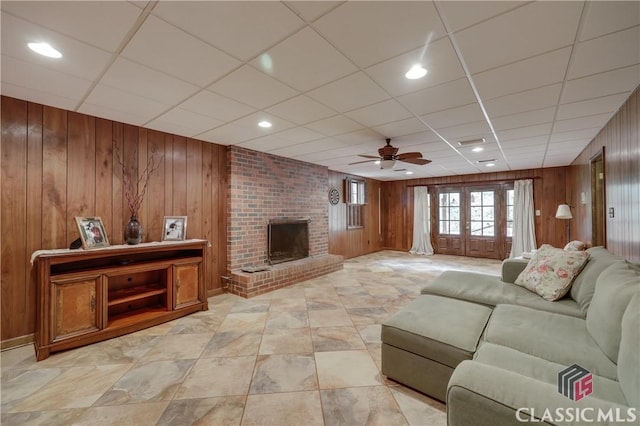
column 175, row 228
column 92, row 232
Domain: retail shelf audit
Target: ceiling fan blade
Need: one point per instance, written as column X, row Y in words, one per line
column 418, row 161
column 369, row 156
column 406, row 155
column 365, row 161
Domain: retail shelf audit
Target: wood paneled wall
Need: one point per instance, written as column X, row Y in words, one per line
column 548, row 188
column 58, row 164
column 354, row 242
column 621, row 141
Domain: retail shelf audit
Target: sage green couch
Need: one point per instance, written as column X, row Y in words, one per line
column 493, row 350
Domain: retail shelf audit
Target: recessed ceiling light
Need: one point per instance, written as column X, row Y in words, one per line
column 264, row 124
column 490, row 164
column 409, row 172
column 416, row 72
column 45, row 49
column 376, row 162
column 477, row 149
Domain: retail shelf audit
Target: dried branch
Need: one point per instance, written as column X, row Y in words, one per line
column 135, row 195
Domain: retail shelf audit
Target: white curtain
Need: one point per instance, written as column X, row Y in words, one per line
column 421, row 222
column 524, row 233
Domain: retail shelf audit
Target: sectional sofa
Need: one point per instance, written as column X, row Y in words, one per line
column 500, row 354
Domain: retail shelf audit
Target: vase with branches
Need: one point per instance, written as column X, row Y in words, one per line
column 135, row 188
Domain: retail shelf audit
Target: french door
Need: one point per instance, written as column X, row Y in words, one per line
column 473, row 221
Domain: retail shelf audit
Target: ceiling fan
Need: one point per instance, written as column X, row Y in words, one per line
column 388, row 155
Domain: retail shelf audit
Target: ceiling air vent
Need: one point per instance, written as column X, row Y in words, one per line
column 471, row 142
column 490, row 160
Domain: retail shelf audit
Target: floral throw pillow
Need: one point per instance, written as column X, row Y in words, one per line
column 551, row 271
column 575, row 245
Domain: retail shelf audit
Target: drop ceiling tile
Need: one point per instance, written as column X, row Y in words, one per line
column 380, row 113
column 265, row 143
column 401, row 128
column 370, row 32
column 588, row 122
column 163, row 47
column 462, row 14
column 312, row 10
column 241, row 29
column 465, row 131
column 605, row 104
column 216, row 106
column 529, row 100
column 539, row 142
column 184, row 123
column 334, row 126
column 296, row 150
column 38, row 78
column 120, row 105
column 420, row 141
column 304, row 61
column 523, row 119
column 142, row 81
column 351, row 92
column 608, row 17
column 301, row 110
column 364, row 136
column 245, row 129
column 299, row 135
column 607, row 83
column 454, row 116
column 527, row 74
column 253, row 88
column 525, row 132
column 532, row 30
column 439, row 58
column 103, row 24
column 606, row 53
column 574, row 135
column 438, row 98
column 79, row 59
column 36, row 95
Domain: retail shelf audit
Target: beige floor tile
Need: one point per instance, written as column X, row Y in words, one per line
column 134, row 414
column 232, row 343
column 344, row 369
column 329, row 318
column 288, row 305
column 419, row 409
column 326, row 339
column 361, row 406
column 244, row 322
column 221, row 411
column 178, row 346
column 287, row 319
column 284, row 373
column 218, row 377
column 279, row 409
column 286, row 341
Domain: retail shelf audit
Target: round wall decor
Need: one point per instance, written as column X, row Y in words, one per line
column 334, row 196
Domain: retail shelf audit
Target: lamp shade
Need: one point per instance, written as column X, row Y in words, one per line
column 387, row 164
column 564, row 212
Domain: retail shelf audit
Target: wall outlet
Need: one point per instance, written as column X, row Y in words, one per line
column 537, row 212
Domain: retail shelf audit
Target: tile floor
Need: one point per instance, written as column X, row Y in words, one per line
column 308, row 354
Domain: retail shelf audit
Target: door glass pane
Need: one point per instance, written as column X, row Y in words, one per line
column 482, row 213
column 449, row 220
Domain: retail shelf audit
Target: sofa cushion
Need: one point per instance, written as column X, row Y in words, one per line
column 585, row 283
column 629, row 356
column 547, row 335
column 442, row 329
column 575, row 245
column 614, row 288
column 543, row 370
column 551, row 271
column 489, row 290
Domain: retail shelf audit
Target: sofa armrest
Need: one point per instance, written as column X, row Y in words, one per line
column 482, row 394
column 511, row 268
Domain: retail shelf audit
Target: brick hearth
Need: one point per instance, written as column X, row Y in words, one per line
column 262, row 187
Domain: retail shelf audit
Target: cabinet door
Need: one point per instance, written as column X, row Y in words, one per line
column 76, row 307
column 187, row 279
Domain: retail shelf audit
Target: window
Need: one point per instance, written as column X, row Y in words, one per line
column 356, row 194
column 449, row 222
column 509, row 204
column 482, row 221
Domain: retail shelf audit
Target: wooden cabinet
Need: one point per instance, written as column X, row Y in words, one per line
column 85, row 296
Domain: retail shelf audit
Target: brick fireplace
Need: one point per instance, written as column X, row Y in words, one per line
column 264, row 187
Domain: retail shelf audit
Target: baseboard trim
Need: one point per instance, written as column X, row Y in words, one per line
column 16, row 342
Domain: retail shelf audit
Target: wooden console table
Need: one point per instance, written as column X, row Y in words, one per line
column 86, row 296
